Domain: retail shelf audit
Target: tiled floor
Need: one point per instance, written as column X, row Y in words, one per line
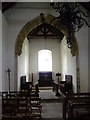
column 47, row 94
column 50, row 109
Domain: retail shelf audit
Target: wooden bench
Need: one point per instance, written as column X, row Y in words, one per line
column 73, row 97
column 79, row 106
column 83, row 115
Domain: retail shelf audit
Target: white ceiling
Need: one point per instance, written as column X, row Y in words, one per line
column 26, row 5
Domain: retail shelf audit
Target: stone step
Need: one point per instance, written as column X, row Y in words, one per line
column 51, row 100
column 45, row 88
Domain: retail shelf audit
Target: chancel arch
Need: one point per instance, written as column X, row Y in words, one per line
column 29, row 27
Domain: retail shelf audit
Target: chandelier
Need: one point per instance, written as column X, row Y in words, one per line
column 71, row 16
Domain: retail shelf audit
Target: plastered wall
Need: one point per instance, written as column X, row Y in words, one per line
column 68, row 63
column 39, row 44
column 0, row 50
column 23, row 62
column 82, row 38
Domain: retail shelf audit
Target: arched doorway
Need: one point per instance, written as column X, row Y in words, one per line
column 28, row 28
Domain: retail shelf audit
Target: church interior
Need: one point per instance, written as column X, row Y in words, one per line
column 44, row 63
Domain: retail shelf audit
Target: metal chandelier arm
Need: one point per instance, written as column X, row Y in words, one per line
column 83, row 13
column 71, row 16
column 54, row 19
column 85, row 22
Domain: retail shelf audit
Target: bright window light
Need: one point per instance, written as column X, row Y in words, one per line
column 45, row 60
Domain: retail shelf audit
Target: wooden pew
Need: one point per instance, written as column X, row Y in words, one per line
column 72, row 97
column 83, row 115
column 80, row 105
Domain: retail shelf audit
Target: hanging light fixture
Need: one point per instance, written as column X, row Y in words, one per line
column 44, row 30
column 71, row 16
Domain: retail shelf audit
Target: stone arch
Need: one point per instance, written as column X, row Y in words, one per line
column 29, row 27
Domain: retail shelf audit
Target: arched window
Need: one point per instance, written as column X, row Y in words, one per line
column 45, row 60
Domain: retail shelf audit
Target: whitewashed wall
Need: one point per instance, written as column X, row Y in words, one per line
column 23, row 62
column 0, row 60
column 32, row 65
column 68, row 63
column 4, row 54
column 39, row 44
column 89, row 55
column 82, row 38
column 0, row 50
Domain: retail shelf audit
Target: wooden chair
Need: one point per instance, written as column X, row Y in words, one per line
column 17, row 111
column 35, row 111
column 35, row 106
column 33, row 94
column 34, row 100
column 8, row 106
column 19, row 106
column 23, row 94
column 22, row 107
column 4, row 94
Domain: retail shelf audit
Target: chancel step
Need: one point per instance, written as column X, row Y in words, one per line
column 45, row 88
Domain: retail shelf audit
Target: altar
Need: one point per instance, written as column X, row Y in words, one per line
column 45, row 79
